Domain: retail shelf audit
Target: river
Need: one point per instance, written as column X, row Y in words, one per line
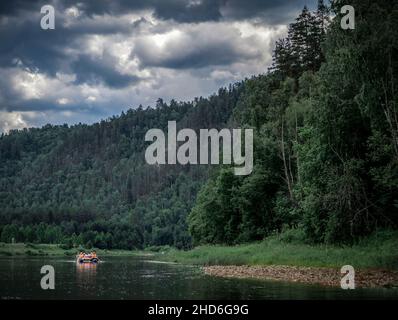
column 142, row 278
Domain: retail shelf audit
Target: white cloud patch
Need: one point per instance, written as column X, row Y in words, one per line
column 13, row 120
column 63, row 101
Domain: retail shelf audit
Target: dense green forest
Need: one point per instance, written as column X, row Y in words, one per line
column 325, row 118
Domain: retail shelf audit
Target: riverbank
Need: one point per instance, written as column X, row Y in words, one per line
column 364, row 278
column 28, row 249
column 375, row 260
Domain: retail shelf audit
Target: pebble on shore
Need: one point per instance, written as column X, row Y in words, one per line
column 309, row 275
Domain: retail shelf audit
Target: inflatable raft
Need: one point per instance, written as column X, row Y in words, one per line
column 87, row 258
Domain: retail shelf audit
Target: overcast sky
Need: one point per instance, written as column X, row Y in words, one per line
column 107, row 56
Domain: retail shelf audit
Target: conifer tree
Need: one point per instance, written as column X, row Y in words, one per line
column 301, row 50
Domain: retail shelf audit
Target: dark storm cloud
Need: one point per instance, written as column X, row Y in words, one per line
column 12, row 7
column 33, row 47
column 31, row 105
column 178, row 10
column 203, row 57
column 23, row 41
column 94, row 71
column 189, row 11
column 195, row 49
column 271, row 11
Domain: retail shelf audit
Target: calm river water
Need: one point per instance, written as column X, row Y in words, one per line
column 141, row 278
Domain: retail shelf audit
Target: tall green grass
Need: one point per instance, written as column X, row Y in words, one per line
column 377, row 251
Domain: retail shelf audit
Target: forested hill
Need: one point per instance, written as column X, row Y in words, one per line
column 325, row 153
column 89, row 184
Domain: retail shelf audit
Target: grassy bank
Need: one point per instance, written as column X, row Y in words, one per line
column 27, row 249
column 377, row 251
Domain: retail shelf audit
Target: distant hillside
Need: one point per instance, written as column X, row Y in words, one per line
column 92, row 182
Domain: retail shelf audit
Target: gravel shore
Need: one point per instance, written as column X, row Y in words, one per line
column 322, row 276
